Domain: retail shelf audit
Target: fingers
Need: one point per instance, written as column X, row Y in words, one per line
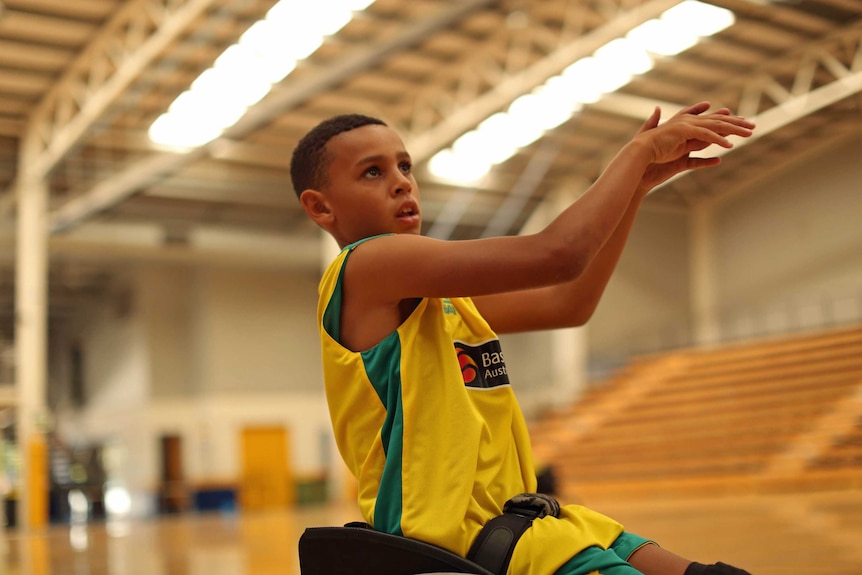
column 657, row 174
column 694, row 109
column 698, row 163
column 704, row 134
column 687, row 163
column 722, row 125
column 692, row 129
column 697, row 110
column 734, row 125
column 652, row 121
column 722, row 116
column 690, row 163
column 738, row 121
column 701, row 107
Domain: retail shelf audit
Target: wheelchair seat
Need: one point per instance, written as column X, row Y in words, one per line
column 356, row 549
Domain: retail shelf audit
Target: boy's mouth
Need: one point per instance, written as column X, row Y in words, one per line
column 408, row 210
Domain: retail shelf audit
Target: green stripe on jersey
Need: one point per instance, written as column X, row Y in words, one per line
column 383, row 367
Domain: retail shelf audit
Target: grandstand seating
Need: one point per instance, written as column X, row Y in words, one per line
column 770, row 415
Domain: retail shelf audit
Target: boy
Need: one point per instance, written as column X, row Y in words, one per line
column 416, row 382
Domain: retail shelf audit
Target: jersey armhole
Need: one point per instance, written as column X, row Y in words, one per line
column 332, row 314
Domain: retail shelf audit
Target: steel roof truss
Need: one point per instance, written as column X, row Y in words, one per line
column 813, row 61
column 426, row 140
column 124, row 47
column 116, row 189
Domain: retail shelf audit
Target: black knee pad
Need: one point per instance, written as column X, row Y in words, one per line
column 714, row 569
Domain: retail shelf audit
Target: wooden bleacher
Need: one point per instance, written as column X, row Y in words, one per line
column 763, row 416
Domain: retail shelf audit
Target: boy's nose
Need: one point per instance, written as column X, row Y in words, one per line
column 401, row 186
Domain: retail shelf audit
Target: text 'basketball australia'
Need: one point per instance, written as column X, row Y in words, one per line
column 482, row 365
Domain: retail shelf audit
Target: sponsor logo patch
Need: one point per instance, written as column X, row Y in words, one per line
column 482, row 365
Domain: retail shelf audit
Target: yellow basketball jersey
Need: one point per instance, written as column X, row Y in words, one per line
column 428, row 423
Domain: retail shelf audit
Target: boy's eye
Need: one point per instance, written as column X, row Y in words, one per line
column 405, row 167
column 373, row 171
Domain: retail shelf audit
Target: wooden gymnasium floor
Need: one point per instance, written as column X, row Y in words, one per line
column 804, row 534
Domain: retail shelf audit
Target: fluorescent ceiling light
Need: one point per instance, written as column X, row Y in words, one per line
column 610, row 67
column 700, row 18
column 244, row 73
column 458, row 168
column 660, row 37
column 497, row 145
column 623, row 54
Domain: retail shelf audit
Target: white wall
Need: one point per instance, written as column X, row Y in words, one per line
column 528, row 360
column 795, row 240
column 202, row 352
column 645, row 306
column 116, row 368
column 789, row 242
column 256, row 330
column 167, row 307
column 226, row 329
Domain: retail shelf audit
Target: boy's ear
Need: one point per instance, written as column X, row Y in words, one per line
column 315, row 205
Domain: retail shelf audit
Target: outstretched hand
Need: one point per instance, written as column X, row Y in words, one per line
column 689, row 130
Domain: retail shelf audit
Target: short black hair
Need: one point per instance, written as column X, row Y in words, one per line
column 309, row 161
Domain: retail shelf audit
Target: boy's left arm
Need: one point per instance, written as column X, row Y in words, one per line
column 563, row 305
column 572, row 303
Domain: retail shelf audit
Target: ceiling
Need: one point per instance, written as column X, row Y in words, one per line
column 81, row 82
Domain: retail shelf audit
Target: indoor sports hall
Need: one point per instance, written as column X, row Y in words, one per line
column 162, row 406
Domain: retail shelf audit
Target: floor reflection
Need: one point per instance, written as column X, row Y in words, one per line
column 769, row 535
column 190, row 544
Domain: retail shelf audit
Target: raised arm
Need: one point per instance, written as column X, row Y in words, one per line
column 572, row 303
column 567, row 304
column 576, row 252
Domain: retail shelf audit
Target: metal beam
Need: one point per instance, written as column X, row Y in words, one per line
column 801, row 98
column 792, row 102
column 11, row 127
column 508, row 87
column 795, row 108
column 126, row 183
column 467, row 116
column 106, row 194
column 111, row 243
column 526, row 185
column 124, row 47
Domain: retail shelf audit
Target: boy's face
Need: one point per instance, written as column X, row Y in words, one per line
column 371, row 189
